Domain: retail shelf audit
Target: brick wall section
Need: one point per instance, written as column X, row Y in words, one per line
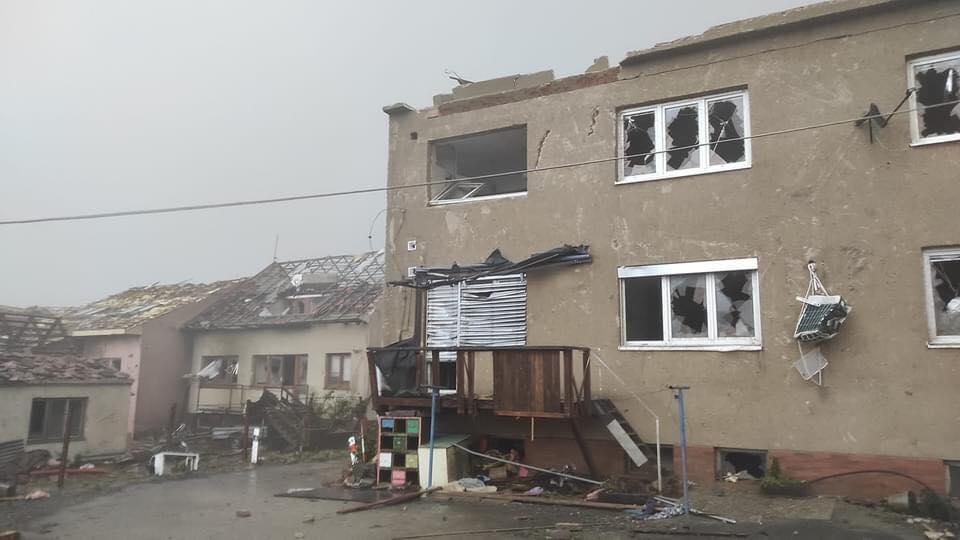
column 548, row 452
column 810, row 465
column 566, row 84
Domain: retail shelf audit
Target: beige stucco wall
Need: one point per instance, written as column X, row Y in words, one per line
column 863, row 211
column 315, row 341
column 105, row 425
column 127, row 348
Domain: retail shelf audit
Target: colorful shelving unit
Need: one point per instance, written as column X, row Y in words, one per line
column 399, row 442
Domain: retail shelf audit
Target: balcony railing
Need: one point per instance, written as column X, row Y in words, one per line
column 534, row 381
column 231, row 398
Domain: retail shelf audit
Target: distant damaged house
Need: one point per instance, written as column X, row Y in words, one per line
column 705, row 174
column 43, row 379
column 297, row 328
column 138, row 332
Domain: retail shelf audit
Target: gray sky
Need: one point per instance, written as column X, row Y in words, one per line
column 114, row 105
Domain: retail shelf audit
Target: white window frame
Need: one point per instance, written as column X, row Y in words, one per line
column 660, row 144
column 712, row 342
column 915, row 138
column 930, row 256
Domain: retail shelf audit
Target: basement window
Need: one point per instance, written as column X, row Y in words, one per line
column 953, row 478
column 685, row 137
column 936, row 99
column 478, row 155
column 712, row 305
column 747, row 463
column 942, row 277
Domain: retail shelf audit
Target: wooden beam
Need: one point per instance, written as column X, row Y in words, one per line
column 471, row 373
column 568, row 404
column 434, row 368
column 584, row 449
column 461, row 383
column 587, row 392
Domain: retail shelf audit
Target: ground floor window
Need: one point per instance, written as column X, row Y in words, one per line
column 700, row 304
column 47, row 417
column 280, row 369
column 337, row 375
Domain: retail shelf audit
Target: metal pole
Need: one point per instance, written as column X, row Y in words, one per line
column 66, row 445
column 683, row 446
column 433, row 428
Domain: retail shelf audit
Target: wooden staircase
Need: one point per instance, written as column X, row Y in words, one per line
column 622, row 431
column 286, row 415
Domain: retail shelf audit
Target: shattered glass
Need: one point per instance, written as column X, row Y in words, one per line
column 938, row 84
column 726, row 129
column 687, row 301
column 735, row 317
column 683, row 133
column 945, row 280
column 639, row 135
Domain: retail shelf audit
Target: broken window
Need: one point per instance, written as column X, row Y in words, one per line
column 218, row 369
column 711, row 304
column 690, row 137
column 943, row 295
column 47, row 418
column 484, row 312
column 936, row 99
column 479, row 155
column 744, row 464
column 337, row 371
column 112, row 363
column 280, row 370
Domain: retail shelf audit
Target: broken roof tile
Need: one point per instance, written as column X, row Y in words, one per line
column 29, row 369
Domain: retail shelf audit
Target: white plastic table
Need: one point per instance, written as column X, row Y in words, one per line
column 191, row 459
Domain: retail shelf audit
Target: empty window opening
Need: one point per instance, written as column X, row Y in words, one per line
column 674, row 305
column 47, row 418
column 337, row 374
column 493, row 152
column 747, row 464
column 943, row 297
column 112, row 363
column 953, row 478
column 937, row 83
column 218, row 369
column 668, row 140
column 280, row 370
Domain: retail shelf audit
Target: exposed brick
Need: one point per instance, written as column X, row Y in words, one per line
column 811, row 465
column 566, row 84
column 548, row 452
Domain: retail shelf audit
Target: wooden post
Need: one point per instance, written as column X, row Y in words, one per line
column 461, row 383
column 568, row 381
column 587, row 456
column 421, row 368
column 66, row 445
column 587, row 396
column 470, row 376
column 434, row 367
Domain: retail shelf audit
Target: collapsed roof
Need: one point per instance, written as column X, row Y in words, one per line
column 341, row 288
column 129, row 309
column 56, row 369
column 24, row 329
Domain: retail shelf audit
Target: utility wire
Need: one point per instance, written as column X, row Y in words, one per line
column 253, row 202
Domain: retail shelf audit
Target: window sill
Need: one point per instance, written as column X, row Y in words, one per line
column 54, row 440
column 935, row 140
column 640, row 178
column 943, row 344
column 478, row 199
column 713, row 348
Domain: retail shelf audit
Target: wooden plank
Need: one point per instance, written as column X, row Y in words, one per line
column 471, row 371
column 568, row 405
column 421, row 369
column 387, row 502
column 461, row 383
column 552, row 399
column 587, row 392
column 434, row 368
column 525, row 414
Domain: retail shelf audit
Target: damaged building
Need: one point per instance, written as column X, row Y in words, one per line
column 664, row 212
column 295, row 330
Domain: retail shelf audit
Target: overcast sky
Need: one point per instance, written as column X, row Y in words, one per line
column 115, row 105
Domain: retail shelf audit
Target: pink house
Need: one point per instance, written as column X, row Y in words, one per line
column 138, row 331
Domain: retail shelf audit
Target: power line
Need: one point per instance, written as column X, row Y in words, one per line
column 330, row 194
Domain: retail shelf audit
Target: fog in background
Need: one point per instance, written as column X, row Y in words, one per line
column 115, row 105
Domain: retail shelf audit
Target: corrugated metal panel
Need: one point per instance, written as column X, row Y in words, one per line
column 10, row 451
column 487, row 312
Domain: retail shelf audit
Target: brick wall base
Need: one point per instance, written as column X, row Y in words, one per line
column 701, row 468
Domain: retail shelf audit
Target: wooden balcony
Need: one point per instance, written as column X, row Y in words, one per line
column 529, row 381
column 231, row 398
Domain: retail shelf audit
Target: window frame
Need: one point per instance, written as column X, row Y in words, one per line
column 915, row 138
column 709, row 269
column 231, row 380
column 45, row 436
column 660, row 135
column 930, row 255
column 433, row 200
column 340, row 384
column 300, row 361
